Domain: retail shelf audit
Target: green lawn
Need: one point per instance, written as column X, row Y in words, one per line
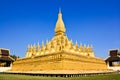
column 26, row 77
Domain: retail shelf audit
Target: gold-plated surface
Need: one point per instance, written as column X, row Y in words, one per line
column 59, row 54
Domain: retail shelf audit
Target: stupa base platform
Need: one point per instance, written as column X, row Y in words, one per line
column 59, row 61
column 62, row 73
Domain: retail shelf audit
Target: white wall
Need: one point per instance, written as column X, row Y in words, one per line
column 114, row 68
column 2, row 69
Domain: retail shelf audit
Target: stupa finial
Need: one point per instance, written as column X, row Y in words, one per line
column 60, row 27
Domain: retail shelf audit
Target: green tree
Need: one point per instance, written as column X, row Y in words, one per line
column 14, row 57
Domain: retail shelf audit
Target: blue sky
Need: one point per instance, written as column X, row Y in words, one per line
column 94, row 22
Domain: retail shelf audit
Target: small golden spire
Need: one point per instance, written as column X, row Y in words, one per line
column 43, row 47
column 88, row 48
column 76, row 44
column 38, row 46
column 60, row 27
column 81, row 47
column 85, row 45
column 91, row 48
column 42, row 44
column 47, row 45
column 71, row 42
column 85, row 48
column 31, row 48
column 46, row 41
column 28, row 49
column 34, row 47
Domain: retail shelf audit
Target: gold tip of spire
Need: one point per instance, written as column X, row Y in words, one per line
column 59, row 10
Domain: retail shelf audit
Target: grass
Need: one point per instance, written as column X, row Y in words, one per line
column 27, row 77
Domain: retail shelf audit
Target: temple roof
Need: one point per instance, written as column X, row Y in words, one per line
column 5, row 55
column 113, row 56
column 6, row 58
column 4, row 52
column 60, row 27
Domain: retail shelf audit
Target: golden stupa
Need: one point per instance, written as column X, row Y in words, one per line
column 59, row 54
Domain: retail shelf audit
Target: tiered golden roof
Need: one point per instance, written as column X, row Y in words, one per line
column 59, row 42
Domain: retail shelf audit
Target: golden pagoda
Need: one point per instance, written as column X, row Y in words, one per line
column 59, row 54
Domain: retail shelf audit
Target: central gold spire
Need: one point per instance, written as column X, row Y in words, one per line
column 60, row 27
